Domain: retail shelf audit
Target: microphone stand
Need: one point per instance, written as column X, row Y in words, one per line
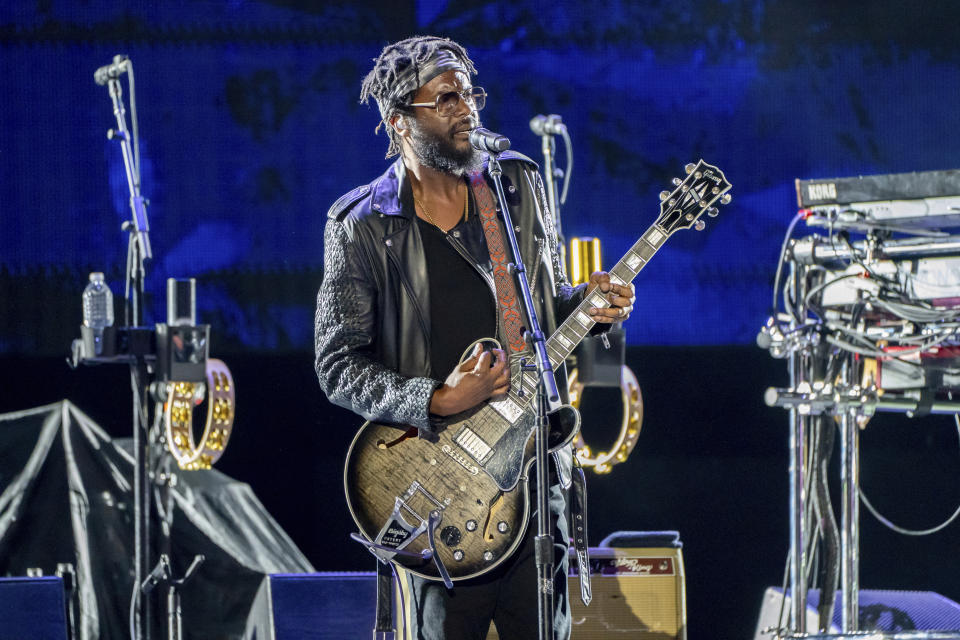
column 548, row 399
column 547, row 127
column 149, row 353
column 549, row 147
column 162, row 574
column 138, row 253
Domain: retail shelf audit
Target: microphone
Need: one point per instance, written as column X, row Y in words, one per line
column 550, row 125
column 486, row 140
column 112, row 71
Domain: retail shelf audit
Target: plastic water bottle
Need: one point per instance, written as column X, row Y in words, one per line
column 97, row 308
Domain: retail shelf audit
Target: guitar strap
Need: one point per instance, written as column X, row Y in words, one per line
column 507, row 300
column 384, row 620
column 578, row 517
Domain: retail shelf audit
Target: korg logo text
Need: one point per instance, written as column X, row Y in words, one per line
column 826, row 191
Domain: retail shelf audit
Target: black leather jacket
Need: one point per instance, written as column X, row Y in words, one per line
column 372, row 331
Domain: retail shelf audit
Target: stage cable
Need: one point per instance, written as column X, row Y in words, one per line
column 903, row 530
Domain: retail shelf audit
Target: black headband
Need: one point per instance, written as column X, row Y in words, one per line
column 415, row 76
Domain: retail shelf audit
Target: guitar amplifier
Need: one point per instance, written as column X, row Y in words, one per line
column 638, row 593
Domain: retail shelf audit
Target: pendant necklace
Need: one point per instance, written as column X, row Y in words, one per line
column 466, row 209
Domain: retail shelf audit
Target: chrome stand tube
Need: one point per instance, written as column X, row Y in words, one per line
column 799, row 363
column 850, row 527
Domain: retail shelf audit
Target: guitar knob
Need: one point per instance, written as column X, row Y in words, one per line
column 726, row 198
column 689, row 168
column 458, row 555
column 488, row 555
column 712, row 212
column 676, row 182
column 664, row 195
column 471, row 525
column 699, row 225
column 503, row 527
column 450, row 536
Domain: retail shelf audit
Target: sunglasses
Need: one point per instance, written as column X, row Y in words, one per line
column 448, row 102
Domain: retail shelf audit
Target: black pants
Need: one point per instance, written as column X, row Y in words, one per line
column 507, row 595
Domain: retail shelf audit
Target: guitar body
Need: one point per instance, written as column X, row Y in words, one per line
column 467, row 489
column 394, row 479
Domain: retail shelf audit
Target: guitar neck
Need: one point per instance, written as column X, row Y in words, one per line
column 681, row 208
column 572, row 330
column 569, row 334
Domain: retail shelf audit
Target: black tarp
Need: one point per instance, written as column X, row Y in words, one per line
column 67, row 498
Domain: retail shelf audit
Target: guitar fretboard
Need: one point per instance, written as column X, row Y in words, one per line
column 572, row 330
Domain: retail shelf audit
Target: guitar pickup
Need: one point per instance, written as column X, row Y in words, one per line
column 473, row 444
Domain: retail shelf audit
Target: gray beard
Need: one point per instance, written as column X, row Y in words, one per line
column 439, row 153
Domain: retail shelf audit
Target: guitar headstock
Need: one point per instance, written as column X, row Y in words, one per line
column 693, row 196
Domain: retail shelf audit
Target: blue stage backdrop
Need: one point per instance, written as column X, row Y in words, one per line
column 250, row 128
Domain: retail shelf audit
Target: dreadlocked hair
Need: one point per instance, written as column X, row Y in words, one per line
column 394, row 59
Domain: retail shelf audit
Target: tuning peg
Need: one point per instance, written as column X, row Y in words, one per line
column 664, row 195
column 699, row 225
column 726, row 198
column 689, row 168
column 712, row 212
column 676, row 182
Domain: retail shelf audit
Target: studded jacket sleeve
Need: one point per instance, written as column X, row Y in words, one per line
column 344, row 336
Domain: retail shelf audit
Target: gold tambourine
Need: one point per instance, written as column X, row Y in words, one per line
column 178, row 418
column 630, row 423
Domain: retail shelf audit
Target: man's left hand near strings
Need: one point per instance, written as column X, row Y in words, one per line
column 620, row 296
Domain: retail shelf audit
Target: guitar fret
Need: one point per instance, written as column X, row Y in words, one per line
column 623, row 273
column 596, row 299
column 556, row 355
column 565, row 343
column 633, row 261
column 583, row 319
column 654, row 236
column 578, row 331
column 646, row 250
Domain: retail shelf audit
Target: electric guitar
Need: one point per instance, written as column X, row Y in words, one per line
column 455, row 507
